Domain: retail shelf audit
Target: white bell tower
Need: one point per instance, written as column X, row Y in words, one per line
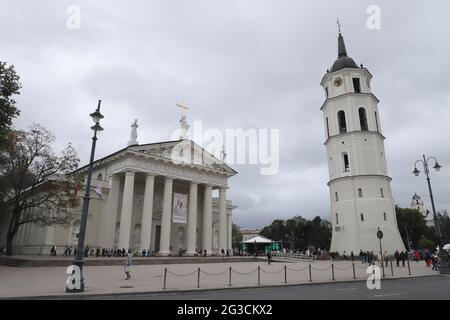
column 360, row 191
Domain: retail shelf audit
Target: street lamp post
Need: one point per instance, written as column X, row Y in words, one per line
column 444, row 266
column 78, row 261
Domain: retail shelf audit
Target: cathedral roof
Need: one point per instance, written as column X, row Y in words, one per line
column 343, row 61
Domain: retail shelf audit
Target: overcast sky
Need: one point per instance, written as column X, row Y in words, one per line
column 237, row 64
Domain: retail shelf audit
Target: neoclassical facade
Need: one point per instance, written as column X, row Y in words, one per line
column 161, row 196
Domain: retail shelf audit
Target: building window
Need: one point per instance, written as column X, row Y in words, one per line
column 382, row 192
column 337, row 218
column 357, row 85
column 328, row 128
column 384, row 216
column 336, row 196
column 99, row 177
column 363, row 119
column 376, row 121
column 362, row 216
column 342, row 122
column 346, row 162
column 326, row 92
column 360, row 194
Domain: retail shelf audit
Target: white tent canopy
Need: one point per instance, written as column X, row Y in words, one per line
column 258, row 239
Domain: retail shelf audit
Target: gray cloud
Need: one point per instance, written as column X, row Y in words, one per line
column 237, row 64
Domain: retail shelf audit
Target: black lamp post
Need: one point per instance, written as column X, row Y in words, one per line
column 444, row 266
column 78, row 261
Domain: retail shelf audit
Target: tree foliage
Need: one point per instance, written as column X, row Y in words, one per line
column 411, row 224
column 9, row 86
column 300, row 232
column 236, row 235
column 36, row 184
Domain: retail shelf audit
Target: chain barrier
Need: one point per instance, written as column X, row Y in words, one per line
column 182, row 275
column 295, row 270
column 244, row 274
column 343, row 269
column 214, row 274
column 272, row 272
column 319, row 269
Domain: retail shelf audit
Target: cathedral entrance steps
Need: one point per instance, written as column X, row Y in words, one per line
column 46, row 261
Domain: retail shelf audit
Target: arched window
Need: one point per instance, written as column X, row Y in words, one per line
column 337, row 218
column 376, row 121
column 384, row 216
column 342, row 122
column 363, row 119
column 328, row 128
column 382, row 192
column 336, row 196
column 100, row 176
column 362, row 216
column 345, row 162
column 360, row 194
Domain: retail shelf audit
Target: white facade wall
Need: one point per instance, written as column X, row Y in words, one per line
column 361, row 197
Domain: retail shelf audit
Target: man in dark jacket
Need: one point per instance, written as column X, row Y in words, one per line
column 397, row 257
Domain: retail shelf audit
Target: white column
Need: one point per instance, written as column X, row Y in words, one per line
column 166, row 218
column 192, row 219
column 147, row 213
column 222, row 218
column 127, row 211
column 109, row 220
column 207, row 220
column 230, row 234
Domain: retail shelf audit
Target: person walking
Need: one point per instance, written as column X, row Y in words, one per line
column 386, row 258
column 397, row 257
column 127, row 267
column 352, row 256
column 269, row 257
column 403, row 257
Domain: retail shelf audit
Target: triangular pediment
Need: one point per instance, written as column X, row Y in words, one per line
column 184, row 152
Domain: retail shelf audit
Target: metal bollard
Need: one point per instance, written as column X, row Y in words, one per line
column 229, row 277
column 259, row 276
column 354, row 275
column 285, row 274
column 165, row 277
column 198, row 278
column 332, row 270
column 409, row 268
column 310, row 278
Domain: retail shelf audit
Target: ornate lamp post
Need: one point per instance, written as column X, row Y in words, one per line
column 78, row 261
column 444, row 266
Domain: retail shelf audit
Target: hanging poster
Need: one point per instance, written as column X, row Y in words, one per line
column 180, row 208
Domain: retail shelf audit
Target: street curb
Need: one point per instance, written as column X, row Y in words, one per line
column 74, row 296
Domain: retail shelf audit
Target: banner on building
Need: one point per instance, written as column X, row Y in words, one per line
column 180, row 208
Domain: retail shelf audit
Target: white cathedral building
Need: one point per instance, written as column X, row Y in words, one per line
column 360, row 190
column 157, row 196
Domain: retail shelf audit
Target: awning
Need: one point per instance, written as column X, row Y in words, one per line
column 258, row 239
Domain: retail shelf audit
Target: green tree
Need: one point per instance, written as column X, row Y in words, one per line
column 9, row 86
column 37, row 182
column 300, row 232
column 411, row 225
column 236, row 235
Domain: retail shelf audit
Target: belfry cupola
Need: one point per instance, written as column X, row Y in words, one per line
column 343, row 60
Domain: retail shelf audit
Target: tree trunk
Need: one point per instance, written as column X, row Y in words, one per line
column 12, row 231
column 9, row 244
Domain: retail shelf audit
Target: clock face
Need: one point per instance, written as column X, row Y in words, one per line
column 337, row 82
